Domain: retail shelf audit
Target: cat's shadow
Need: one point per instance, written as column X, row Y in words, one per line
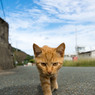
column 39, row 91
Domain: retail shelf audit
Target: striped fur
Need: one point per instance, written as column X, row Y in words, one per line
column 49, row 61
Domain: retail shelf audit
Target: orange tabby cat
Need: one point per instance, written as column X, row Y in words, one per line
column 49, row 61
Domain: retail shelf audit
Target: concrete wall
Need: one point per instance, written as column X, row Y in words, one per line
column 6, row 58
column 3, row 31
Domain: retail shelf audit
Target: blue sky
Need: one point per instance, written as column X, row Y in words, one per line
column 50, row 22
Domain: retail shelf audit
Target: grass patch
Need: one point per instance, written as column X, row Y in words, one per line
column 80, row 63
column 19, row 64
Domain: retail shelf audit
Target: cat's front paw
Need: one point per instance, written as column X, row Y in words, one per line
column 55, row 87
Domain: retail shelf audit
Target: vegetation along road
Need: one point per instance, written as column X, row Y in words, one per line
column 25, row 81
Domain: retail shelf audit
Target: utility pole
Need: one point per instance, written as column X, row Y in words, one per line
column 76, row 49
column 15, row 55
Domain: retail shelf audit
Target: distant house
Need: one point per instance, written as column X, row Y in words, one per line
column 69, row 57
column 88, row 54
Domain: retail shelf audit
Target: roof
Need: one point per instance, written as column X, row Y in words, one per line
column 87, row 52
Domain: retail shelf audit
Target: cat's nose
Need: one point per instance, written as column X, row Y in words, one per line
column 49, row 72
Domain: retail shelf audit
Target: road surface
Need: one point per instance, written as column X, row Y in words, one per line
column 25, row 81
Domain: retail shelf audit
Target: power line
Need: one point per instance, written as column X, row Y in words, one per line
column 3, row 9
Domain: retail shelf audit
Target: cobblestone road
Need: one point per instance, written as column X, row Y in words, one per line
column 25, row 81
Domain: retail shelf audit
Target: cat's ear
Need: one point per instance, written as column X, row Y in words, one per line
column 60, row 49
column 37, row 50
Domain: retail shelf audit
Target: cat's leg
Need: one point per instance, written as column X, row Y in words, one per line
column 46, row 86
column 54, row 84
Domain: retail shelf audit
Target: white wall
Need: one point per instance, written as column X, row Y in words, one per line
column 93, row 54
column 84, row 56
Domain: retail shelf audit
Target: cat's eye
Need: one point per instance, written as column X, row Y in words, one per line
column 55, row 64
column 43, row 64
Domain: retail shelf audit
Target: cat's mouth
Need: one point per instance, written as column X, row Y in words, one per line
column 49, row 75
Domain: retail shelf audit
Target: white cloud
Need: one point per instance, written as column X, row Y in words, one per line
column 29, row 26
column 78, row 10
column 24, row 40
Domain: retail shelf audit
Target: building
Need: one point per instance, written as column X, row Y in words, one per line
column 6, row 58
column 87, row 55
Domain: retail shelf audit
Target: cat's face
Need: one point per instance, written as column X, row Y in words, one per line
column 49, row 60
